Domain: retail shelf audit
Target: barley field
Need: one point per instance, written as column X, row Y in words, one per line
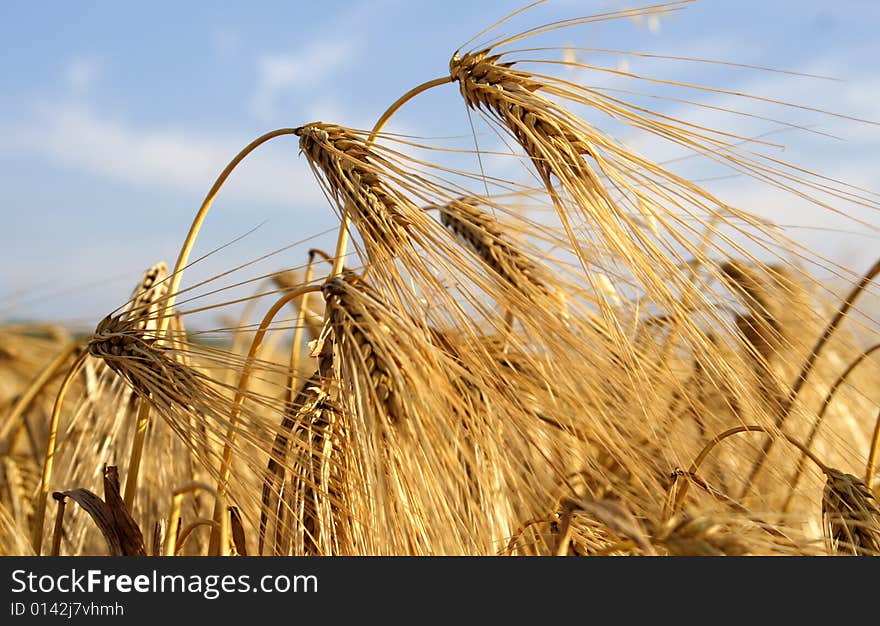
column 563, row 348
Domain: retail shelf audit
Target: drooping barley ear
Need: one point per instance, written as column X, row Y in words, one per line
column 344, row 160
column 486, row 84
column 356, row 317
column 760, row 327
column 684, row 535
column 850, row 515
column 570, row 158
column 302, row 415
column 485, row 236
column 127, row 348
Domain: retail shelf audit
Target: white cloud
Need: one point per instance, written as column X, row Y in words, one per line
column 78, row 137
column 296, row 72
column 80, row 74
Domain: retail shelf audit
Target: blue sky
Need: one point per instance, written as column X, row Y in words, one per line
column 116, row 117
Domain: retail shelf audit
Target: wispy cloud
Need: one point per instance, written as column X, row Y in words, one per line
column 76, row 136
column 296, row 72
column 81, row 74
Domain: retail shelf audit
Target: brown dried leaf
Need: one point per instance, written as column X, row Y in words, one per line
column 100, row 512
column 129, row 533
column 237, row 528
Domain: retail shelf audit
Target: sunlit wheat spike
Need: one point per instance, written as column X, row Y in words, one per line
column 850, row 514
column 572, row 159
column 603, row 190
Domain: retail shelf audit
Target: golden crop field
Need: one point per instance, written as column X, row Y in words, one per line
column 599, row 357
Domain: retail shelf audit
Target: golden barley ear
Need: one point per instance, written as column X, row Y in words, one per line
column 355, row 314
column 131, row 331
column 345, row 162
column 850, row 515
column 306, row 518
column 482, row 233
column 491, row 241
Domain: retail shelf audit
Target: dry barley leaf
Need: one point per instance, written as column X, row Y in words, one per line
column 237, row 528
column 129, row 533
column 123, row 536
column 100, row 512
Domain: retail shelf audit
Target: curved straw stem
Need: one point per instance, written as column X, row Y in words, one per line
column 167, row 305
column 821, row 416
column 38, row 384
column 342, row 240
column 679, row 497
column 199, row 219
column 872, row 454
column 174, row 518
column 806, row 369
column 137, row 450
column 187, row 531
column 256, row 343
column 49, row 458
